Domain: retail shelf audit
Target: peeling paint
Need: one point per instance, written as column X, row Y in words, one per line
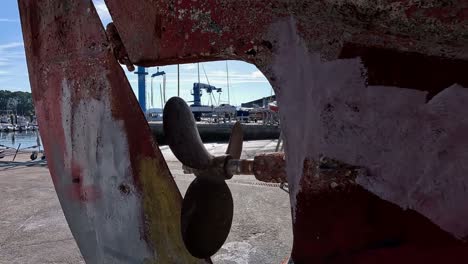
column 410, row 138
column 98, row 161
column 414, row 150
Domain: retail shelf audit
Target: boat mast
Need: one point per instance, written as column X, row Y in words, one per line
column 164, row 88
column 198, row 66
column 152, row 94
column 178, row 81
column 161, row 92
column 227, row 82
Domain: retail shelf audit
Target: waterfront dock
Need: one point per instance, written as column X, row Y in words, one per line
column 220, row 132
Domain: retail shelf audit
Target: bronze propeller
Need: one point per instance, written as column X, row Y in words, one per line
column 207, row 208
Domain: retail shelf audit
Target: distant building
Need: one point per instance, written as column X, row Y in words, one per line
column 262, row 102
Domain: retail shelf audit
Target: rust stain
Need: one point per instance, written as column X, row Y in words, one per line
column 72, row 67
column 337, row 221
column 191, row 31
column 270, row 167
column 400, row 43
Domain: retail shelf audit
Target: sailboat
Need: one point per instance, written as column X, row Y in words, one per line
column 154, row 114
column 226, row 110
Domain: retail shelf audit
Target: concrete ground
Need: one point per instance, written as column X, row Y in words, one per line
column 33, row 228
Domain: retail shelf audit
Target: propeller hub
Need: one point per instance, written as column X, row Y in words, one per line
column 216, row 171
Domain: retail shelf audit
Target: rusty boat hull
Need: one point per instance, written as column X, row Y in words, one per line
column 377, row 86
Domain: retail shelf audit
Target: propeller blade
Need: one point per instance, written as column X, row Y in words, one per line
column 206, row 218
column 182, row 135
column 235, row 141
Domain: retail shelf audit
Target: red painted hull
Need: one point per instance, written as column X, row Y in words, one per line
column 117, row 194
column 381, row 87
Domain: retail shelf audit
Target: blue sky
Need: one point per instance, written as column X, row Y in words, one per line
column 245, row 80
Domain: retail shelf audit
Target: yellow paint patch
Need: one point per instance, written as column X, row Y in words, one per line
column 162, row 206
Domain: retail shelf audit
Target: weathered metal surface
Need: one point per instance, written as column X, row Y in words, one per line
column 352, row 225
column 380, row 85
column 270, row 167
column 239, row 166
column 372, row 84
column 117, row 47
column 413, row 148
column 167, row 31
column 116, row 191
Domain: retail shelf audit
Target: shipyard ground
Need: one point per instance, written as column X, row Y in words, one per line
column 33, row 229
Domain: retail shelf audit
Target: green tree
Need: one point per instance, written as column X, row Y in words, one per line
column 18, row 102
